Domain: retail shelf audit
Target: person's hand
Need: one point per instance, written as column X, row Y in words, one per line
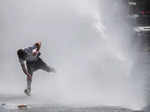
column 35, row 52
column 29, row 76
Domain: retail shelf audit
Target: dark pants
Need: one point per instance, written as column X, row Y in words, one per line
column 33, row 66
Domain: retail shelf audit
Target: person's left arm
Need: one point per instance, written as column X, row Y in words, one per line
column 36, row 51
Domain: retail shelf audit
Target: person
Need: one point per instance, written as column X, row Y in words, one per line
column 31, row 55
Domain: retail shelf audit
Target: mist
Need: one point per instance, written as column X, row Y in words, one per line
column 89, row 43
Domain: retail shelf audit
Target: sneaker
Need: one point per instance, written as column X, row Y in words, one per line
column 27, row 92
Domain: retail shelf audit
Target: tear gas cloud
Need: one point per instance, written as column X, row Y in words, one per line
column 88, row 42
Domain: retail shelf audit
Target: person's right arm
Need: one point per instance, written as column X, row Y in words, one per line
column 24, row 69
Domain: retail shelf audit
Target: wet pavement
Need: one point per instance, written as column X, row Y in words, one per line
column 48, row 108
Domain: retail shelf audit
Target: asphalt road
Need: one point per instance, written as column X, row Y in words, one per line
column 48, row 108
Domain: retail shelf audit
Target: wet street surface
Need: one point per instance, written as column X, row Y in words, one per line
column 67, row 109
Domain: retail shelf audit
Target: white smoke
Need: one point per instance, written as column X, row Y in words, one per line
column 88, row 42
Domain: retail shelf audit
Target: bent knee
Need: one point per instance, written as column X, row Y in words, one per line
column 48, row 69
